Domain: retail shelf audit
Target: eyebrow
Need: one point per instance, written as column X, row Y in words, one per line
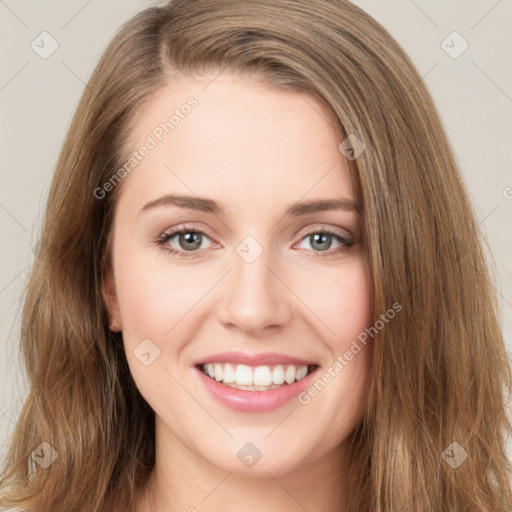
column 210, row 206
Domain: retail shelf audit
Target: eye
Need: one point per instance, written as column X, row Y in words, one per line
column 321, row 240
column 188, row 240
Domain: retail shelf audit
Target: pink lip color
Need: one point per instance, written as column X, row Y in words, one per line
column 266, row 358
column 254, row 401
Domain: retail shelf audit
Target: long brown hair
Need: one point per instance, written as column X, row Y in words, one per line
column 440, row 371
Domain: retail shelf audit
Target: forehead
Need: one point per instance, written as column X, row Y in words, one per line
column 233, row 137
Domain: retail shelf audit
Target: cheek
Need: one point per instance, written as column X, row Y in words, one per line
column 153, row 297
column 337, row 398
column 340, row 300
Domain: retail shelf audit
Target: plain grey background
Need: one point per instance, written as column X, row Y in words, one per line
column 39, row 92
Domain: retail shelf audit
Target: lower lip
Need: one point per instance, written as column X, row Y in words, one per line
column 254, row 401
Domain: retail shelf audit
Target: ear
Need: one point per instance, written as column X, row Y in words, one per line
column 110, row 297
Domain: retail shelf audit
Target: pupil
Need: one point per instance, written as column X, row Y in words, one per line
column 319, row 238
column 188, row 238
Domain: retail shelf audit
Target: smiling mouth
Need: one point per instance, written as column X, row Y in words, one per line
column 256, row 378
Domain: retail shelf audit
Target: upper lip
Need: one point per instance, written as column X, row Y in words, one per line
column 264, row 358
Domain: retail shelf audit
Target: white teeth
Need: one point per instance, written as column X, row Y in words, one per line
column 243, row 375
column 259, row 376
column 262, row 376
column 218, row 371
column 229, row 374
column 302, row 371
column 278, row 374
column 289, row 374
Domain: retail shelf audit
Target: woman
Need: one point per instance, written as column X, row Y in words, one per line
column 256, row 368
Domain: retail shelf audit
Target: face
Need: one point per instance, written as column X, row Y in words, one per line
column 227, row 261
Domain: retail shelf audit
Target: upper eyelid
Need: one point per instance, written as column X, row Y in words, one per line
column 186, row 229
column 308, row 231
column 330, row 230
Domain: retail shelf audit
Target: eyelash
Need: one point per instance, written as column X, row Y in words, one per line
column 165, row 237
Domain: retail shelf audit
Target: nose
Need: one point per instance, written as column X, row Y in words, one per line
column 255, row 299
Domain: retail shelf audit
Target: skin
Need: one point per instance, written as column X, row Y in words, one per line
column 256, row 151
